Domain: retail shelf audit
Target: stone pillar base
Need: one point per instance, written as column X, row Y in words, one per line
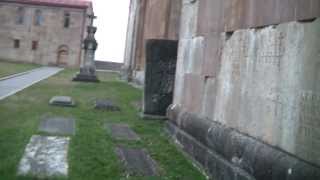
column 86, row 78
column 226, row 154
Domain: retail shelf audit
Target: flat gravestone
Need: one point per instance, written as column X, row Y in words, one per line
column 45, row 157
column 122, row 132
column 106, row 105
column 64, row 101
column 137, row 162
column 57, row 126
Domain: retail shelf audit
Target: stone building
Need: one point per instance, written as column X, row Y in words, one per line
column 246, row 101
column 148, row 19
column 47, row 32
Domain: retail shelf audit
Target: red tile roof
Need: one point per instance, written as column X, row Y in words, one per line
column 59, row 3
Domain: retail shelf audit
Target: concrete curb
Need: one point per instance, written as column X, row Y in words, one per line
column 24, row 87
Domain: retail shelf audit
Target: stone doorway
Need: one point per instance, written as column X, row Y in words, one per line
column 63, row 55
column 161, row 60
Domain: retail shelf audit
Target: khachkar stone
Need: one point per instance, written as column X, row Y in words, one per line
column 159, row 77
column 88, row 69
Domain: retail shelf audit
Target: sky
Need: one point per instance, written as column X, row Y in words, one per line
column 112, row 27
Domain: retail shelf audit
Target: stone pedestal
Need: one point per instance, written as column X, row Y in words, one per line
column 84, row 76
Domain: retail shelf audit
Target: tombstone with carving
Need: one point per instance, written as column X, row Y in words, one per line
column 88, row 69
column 161, row 59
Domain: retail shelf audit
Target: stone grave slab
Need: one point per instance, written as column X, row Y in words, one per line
column 122, row 132
column 57, row 126
column 106, row 105
column 45, row 157
column 64, row 101
column 137, row 162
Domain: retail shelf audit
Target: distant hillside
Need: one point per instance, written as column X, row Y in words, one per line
column 107, row 65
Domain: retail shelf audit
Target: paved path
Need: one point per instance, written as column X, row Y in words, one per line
column 13, row 85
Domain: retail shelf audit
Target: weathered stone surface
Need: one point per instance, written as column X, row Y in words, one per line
column 106, row 105
column 227, row 154
column 64, row 101
column 122, row 132
column 57, row 126
column 193, row 92
column 189, row 19
column 188, row 30
column 267, row 86
column 160, row 74
column 137, row 162
column 157, row 19
column 45, row 157
column 131, row 38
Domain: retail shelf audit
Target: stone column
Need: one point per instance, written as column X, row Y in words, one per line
column 88, row 69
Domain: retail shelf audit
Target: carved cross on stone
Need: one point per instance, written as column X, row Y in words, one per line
column 91, row 17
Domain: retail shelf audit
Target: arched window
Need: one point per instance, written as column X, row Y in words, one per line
column 66, row 22
column 20, row 15
column 38, row 17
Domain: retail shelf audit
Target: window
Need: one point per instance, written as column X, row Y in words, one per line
column 66, row 22
column 35, row 45
column 38, row 17
column 20, row 15
column 16, row 43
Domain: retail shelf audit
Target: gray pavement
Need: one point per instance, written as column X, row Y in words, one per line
column 13, row 85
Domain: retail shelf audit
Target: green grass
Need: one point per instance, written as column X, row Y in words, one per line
column 8, row 68
column 91, row 152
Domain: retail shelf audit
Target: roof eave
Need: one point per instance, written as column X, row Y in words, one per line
column 48, row 4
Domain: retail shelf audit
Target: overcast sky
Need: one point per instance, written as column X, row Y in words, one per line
column 112, row 27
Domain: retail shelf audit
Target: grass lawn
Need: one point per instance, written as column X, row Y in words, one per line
column 8, row 68
column 92, row 150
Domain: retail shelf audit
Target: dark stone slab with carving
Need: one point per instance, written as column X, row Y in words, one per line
column 64, row 101
column 137, row 162
column 57, row 126
column 122, row 132
column 160, row 74
column 106, row 105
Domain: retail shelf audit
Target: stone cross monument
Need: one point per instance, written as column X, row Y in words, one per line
column 88, row 69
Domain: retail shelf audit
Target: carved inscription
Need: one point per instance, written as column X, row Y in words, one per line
column 270, row 48
column 237, row 51
column 308, row 137
column 310, row 115
column 239, row 47
column 166, row 71
column 159, row 76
